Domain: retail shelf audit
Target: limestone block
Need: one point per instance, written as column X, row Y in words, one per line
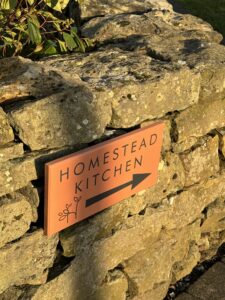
column 202, row 162
column 222, row 141
column 16, row 215
column 223, row 149
column 166, row 133
column 140, row 88
column 154, row 265
column 102, row 7
column 210, row 63
column 114, row 289
column 191, row 258
column 6, row 132
column 32, row 195
column 170, row 180
column 158, row 293
column 215, row 217
column 211, row 243
column 10, row 151
column 91, row 265
column 148, row 29
column 12, row 293
column 188, row 205
column 21, row 77
column 66, row 118
column 23, row 262
column 17, row 173
column 167, row 36
column 197, row 121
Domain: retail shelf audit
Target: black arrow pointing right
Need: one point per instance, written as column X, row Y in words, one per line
column 136, row 180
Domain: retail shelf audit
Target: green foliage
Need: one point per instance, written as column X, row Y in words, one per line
column 36, row 28
column 212, row 11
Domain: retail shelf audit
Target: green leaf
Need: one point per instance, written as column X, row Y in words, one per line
column 38, row 48
column 73, row 31
column 62, row 46
column 31, row 2
column 34, row 32
column 8, row 4
column 50, row 48
column 8, row 40
column 58, row 5
column 35, row 21
column 70, row 43
column 47, row 14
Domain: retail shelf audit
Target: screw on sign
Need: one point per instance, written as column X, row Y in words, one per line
column 81, row 184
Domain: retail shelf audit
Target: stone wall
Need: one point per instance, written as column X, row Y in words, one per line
column 149, row 64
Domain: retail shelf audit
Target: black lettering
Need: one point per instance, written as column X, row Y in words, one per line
column 78, row 166
column 95, row 178
column 115, row 152
column 128, row 165
column 93, row 164
column 65, row 173
column 133, row 146
column 103, row 175
column 139, row 162
column 77, row 187
column 87, row 183
column 124, row 149
column 106, row 158
column 143, row 144
column 116, row 170
column 153, row 139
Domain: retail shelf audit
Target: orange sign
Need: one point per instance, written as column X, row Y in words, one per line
column 81, row 184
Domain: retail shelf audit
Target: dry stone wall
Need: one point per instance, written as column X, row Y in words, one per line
column 149, row 64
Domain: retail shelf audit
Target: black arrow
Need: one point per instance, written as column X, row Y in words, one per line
column 137, row 178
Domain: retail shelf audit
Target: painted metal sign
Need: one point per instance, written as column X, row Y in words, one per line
column 81, row 184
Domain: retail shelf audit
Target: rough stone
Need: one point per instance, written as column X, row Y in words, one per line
column 167, row 36
column 166, row 134
column 115, row 288
column 210, row 285
column 6, row 132
column 223, row 149
column 154, row 265
column 10, row 151
column 213, row 240
column 17, row 173
column 16, row 215
column 197, row 121
column 202, row 162
column 32, row 195
column 139, row 87
column 12, row 293
column 222, row 141
column 191, row 258
column 147, row 30
column 21, row 78
column 23, row 262
column 215, row 217
column 188, row 205
column 66, row 118
column 105, row 7
column 158, row 293
column 90, row 267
